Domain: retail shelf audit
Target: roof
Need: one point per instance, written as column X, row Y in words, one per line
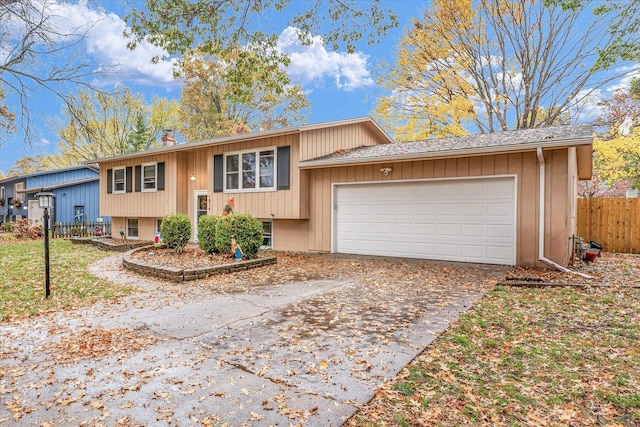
column 61, row 184
column 477, row 144
column 368, row 121
column 49, row 172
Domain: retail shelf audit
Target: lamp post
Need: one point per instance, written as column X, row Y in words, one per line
column 45, row 200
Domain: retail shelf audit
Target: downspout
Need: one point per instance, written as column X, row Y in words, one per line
column 541, row 229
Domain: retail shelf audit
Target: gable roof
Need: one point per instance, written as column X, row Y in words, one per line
column 477, row 144
column 367, row 121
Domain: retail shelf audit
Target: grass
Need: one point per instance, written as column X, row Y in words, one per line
column 22, row 282
column 524, row 356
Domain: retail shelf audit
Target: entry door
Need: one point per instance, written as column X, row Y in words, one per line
column 36, row 212
column 201, row 208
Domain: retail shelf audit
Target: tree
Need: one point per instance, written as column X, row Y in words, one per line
column 623, row 27
column 212, row 108
column 617, row 151
column 140, row 138
column 222, row 29
column 38, row 55
column 100, row 125
column 493, row 64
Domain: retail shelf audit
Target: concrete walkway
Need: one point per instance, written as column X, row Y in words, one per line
column 302, row 352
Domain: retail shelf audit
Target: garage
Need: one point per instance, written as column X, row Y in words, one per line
column 469, row 220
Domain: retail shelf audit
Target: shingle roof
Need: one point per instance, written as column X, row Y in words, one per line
column 469, row 144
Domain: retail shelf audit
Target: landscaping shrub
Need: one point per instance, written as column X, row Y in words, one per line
column 246, row 229
column 207, row 233
column 175, row 231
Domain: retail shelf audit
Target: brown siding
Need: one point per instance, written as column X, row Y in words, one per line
column 320, row 142
column 140, row 204
column 523, row 165
column 283, row 204
column 290, row 235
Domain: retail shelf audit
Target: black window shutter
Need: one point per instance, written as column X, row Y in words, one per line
column 284, row 164
column 160, row 177
column 138, row 178
column 109, row 181
column 218, row 173
column 129, row 179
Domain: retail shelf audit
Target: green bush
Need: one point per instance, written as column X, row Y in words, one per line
column 175, row 231
column 246, row 229
column 207, row 233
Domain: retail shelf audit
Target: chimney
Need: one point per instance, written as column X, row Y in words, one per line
column 167, row 138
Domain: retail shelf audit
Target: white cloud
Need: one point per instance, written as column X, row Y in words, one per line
column 100, row 35
column 313, row 63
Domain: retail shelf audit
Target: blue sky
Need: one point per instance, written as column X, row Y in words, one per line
column 339, row 86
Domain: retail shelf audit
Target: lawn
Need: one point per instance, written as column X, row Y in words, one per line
column 22, row 282
column 524, row 356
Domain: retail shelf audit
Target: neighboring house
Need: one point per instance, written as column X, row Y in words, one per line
column 75, row 189
column 503, row 198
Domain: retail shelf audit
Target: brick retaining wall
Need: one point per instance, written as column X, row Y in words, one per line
column 181, row 275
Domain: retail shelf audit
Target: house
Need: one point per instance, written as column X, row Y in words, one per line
column 75, row 192
column 502, row 198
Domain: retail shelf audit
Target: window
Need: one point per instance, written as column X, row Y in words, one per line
column 78, row 215
column 119, row 180
column 250, row 170
column 2, row 193
column 18, row 191
column 267, row 234
column 149, row 176
column 132, row 228
column 158, row 225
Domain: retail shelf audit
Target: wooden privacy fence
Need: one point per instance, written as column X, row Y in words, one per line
column 71, row 229
column 614, row 223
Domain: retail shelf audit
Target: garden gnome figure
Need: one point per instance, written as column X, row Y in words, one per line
column 236, row 249
column 121, row 233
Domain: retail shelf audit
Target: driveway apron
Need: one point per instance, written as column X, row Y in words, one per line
column 292, row 352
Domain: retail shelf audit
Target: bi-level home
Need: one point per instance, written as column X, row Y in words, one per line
column 502, row 198
column 75, row 192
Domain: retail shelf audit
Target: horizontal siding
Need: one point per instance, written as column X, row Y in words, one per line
column 62, row 176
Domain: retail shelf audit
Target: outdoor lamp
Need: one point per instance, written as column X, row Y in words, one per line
column 45, row 201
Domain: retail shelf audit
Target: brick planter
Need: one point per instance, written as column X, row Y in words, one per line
column 108, row 244
column 182, row 275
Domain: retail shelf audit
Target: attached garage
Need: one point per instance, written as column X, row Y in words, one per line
column 470, row 220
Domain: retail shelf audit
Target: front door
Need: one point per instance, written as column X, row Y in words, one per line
column 36, row 212
column 201, row 208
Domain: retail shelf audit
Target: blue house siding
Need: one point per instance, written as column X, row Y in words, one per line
column 67, row 198
column 72, row 187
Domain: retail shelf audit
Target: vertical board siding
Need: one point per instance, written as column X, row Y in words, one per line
column 523, row 165
column 320, row 142
column 612, row 223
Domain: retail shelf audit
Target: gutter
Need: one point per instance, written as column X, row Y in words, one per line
column 541, row 230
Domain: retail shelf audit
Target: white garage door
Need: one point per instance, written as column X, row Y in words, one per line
column 471, row 220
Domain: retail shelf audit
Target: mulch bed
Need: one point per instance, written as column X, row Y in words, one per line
column 189, row 258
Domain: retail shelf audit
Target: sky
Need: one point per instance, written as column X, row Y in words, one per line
column 338, row 85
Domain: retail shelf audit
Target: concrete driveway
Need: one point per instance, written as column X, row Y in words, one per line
column 303, row 342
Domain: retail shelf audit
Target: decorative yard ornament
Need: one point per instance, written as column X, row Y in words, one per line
column 121, row 233
column 236, row 250
column 228, row 208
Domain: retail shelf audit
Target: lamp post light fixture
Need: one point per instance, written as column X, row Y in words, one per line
column 45, row 201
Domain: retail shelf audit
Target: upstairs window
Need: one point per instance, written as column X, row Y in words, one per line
column 250, row 170
column 119, row 180
column 149, row 176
